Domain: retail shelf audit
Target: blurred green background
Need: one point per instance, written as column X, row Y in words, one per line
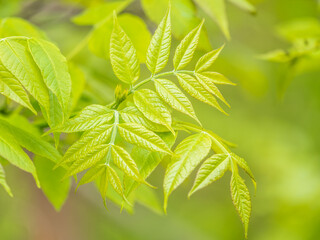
column 278, row 136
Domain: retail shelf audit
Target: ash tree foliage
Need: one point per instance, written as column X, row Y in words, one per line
column 123, row 142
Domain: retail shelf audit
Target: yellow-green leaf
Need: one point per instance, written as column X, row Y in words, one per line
column 196, row 90
column 174, row 97
column 217, row 78
column 142, row 137
column 185, row 50
column 114, row 180
column 211, row 170
column 159, row 48
column 123, row 55
column 244, row 165
column 3, row 181
column 152, row 107
column 207, row 60
column 187, row 155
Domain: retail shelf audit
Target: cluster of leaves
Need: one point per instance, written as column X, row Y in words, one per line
column 303, row 55
column 122, row 143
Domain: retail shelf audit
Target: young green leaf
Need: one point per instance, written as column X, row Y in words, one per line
column 196, row 90
column 124, row 161
column 207, row 60
column 187, row 155
column 211, row 170
column 55, row 190
column 91, row 174
column 12, row 88
column 103, row 184
column 92, row 157
column 16, row 59
column 185, row 50
column 88, row 118
column 90, row 139
column 174, row 97
column 244, row 165
column 11, row 151
column 114, row 180
column 133, row 115
column 3, row 181
column 32, row 142
column 54, row 69
column 152, row 107
column 240, row 197
column 142, row 137
column 210, row 87
column 123, row 55
column 159, row 48
column 245, row 5
column 217, row 78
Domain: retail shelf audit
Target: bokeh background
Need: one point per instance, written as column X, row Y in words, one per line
column 278, row 133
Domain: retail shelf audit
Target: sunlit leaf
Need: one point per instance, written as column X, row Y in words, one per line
column 3, row 181
column 174, row 97
column 207, row 60
column 185, row 50
column 217, row 78
column 123, row 55
column 187, row 155
column 244, row 165
column 159, row 48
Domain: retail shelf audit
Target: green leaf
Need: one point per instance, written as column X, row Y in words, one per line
column 152, row 107
column 88, row 118
column 174, row 97
column 50, row 181
column 11, row 151
column 103, row 184
column 32, row 142
column 211, row 170
column 210, row 87
column 89, row 140
column 187, row 155
column 245, row 5
column 142, row 137
column 123, row 55
column 159, row 48
column 207, row 60
column 240, row 197
column 16, row 58
column 196, row 90
column 125, row 162
column 100, row 12
column 244, row 165
column 131, row 24
column 91, row 174
column 147, row 197
column 217, row 11
column 92, row 157
column 12, row 88
column 216, row 78
column 147, row 161
column 185, row 50
column 114, row 180
column 12, row 26
column 54, row 69
column 133, row 115
column 3, row 181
